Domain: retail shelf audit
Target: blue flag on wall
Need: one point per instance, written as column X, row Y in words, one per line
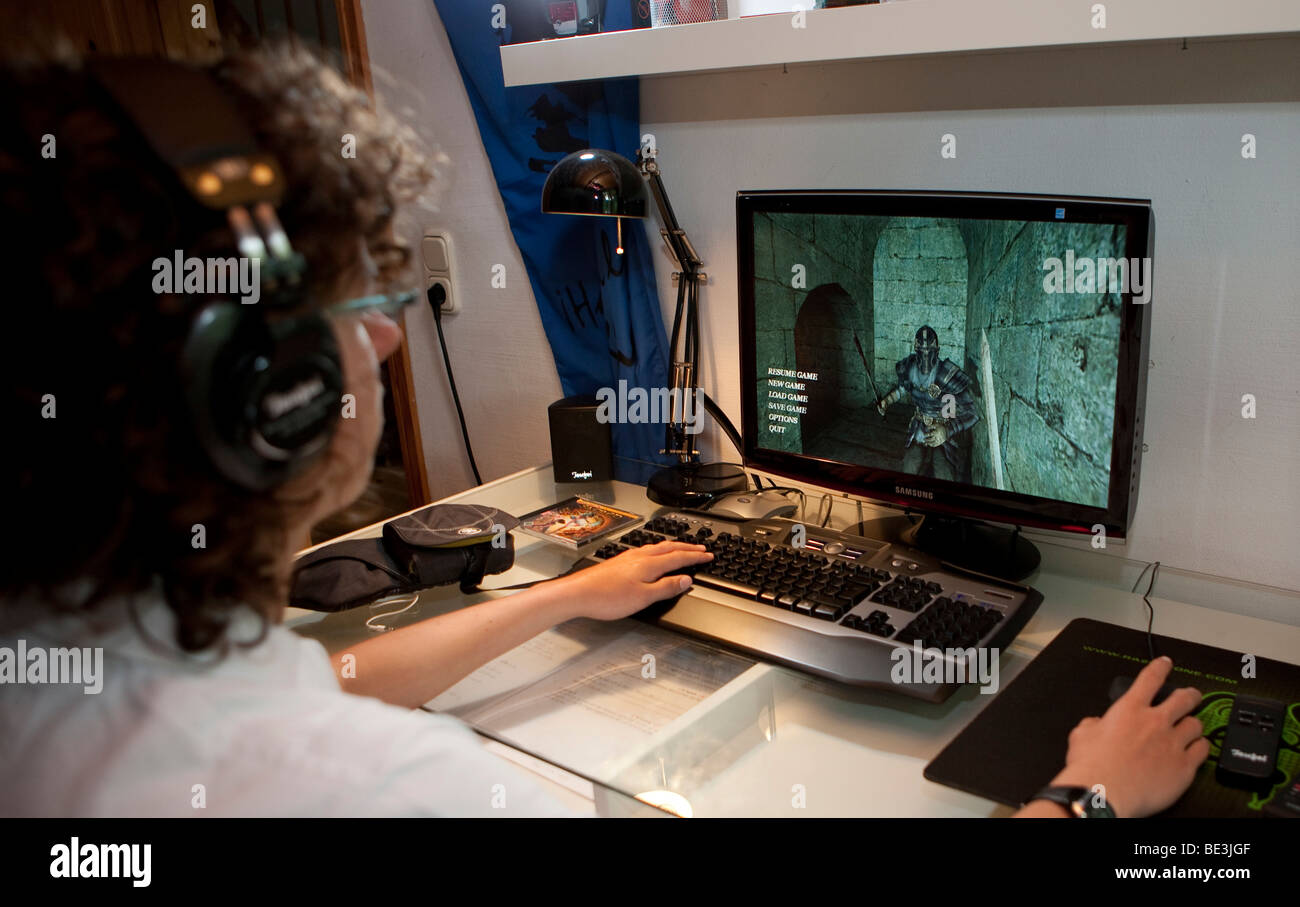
column 600, row 310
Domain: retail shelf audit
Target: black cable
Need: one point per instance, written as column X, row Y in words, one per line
column 671, row 439
column 728, row 428
column 677, row 321
column 693, row 326
column 691, row 340
column 1151, row 612
column 785, row 489
column 436, row 302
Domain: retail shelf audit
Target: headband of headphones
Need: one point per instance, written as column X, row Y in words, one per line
column 193, row 126
column 264, row 393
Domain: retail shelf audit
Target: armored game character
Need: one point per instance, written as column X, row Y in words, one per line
column 930, row 381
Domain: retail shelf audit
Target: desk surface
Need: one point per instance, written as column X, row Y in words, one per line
column 776, row 742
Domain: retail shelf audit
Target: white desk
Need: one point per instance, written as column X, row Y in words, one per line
column 774, row 736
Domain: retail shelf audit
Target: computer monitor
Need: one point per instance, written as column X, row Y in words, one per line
column 1004, row 337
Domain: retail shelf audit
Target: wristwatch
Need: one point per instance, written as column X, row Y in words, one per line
column 1078, row 800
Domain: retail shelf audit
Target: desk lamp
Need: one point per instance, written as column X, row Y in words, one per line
column 606, row 184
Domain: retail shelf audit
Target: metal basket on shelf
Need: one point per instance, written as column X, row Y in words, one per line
column 681, row 12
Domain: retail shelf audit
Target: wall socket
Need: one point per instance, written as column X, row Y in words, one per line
column 436, row 251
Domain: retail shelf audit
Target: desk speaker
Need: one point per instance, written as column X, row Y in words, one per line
column 581, row 445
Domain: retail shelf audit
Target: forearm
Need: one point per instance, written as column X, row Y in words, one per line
column 410, row 666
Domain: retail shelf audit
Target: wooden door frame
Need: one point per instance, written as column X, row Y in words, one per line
column 356, row 65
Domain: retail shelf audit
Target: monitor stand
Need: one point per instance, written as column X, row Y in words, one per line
column 991, row 550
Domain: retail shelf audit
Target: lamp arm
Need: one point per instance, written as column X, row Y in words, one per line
column 677, row 238
column 686, row 320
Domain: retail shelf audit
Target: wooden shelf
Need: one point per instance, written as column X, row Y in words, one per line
column 908, row 28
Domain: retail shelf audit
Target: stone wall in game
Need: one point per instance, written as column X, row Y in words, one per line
column 838, row 301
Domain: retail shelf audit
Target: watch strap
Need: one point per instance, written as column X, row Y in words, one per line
column 1078, row 800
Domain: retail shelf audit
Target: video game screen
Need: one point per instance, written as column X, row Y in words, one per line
column 977, row 351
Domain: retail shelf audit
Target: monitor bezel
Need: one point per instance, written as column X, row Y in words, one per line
column 951, row 498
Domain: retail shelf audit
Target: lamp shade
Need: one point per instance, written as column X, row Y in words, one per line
column 594, row 181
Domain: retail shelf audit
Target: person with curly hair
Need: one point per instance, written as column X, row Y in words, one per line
column 200, row 684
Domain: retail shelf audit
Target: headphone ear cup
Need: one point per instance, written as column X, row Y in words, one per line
column 264, row 397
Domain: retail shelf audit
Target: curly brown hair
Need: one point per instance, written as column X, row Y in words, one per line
column 107, row 491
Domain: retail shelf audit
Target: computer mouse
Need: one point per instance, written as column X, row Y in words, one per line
column 752, row 505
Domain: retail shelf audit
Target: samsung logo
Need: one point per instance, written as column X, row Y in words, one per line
column 928, row 495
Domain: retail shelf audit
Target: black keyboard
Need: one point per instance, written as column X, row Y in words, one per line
column 837, row 606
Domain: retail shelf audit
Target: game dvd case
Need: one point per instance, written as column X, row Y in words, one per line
column 576, row 522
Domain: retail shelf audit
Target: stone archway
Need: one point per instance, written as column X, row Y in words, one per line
column 919, row 277
column 824, row 333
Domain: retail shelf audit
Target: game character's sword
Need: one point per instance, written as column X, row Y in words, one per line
column 863, row 357
column 990, row 404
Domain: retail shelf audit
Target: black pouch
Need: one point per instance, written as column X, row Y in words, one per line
column 449, row 543
column 437, row 546
column 346, row 575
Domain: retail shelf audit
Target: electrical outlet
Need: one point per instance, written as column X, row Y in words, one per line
column 436, row 250
column 449, row 304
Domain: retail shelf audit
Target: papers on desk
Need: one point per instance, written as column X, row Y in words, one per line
column 587, row 693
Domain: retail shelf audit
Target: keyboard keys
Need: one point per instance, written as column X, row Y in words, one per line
column 845, row 592
column 808, row 581
column 857, row 592
column 876, row 623
column 907, row 593
column 948, row 624
column 727, row 584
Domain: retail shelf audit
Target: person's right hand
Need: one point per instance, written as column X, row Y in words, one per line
column 880, row 407
column 1144, row 756
column 633, row 579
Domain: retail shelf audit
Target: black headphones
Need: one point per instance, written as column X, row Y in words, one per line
column 264, row 385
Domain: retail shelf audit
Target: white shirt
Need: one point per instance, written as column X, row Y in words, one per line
column 265, row 731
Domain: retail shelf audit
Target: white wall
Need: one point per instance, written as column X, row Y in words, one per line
column 1219, row 494
column 504, row 369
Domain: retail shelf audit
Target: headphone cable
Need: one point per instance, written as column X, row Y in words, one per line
column 451, row 378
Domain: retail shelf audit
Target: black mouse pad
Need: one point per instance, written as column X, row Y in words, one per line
column 1017, row 744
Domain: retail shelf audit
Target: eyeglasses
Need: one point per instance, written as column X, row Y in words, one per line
column 386, row 303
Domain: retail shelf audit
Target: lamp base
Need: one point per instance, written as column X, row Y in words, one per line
column 694, row 486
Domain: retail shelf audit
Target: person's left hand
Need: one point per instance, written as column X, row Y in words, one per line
column 936, row 435
column 630, row 581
